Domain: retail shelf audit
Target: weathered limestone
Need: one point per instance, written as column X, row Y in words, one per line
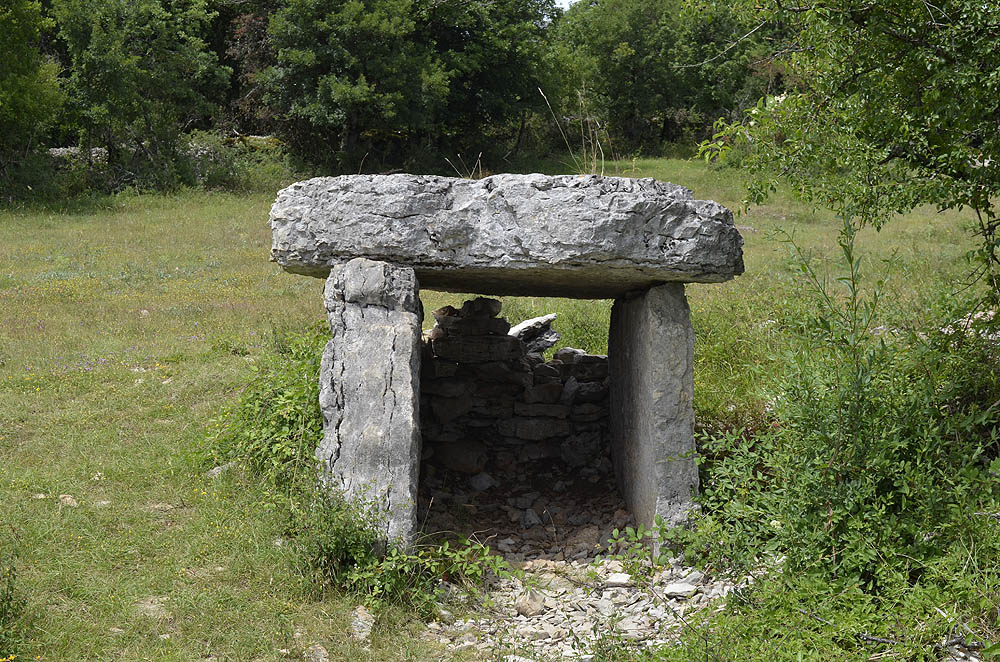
column 651, row 356
column 488, row 394
column 369, row 390
column 568, row 236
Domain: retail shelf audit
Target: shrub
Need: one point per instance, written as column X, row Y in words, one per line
column 242, row 163
column 276, row 425
column 880, row 453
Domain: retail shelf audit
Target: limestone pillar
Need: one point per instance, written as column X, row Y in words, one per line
column 651, row 350
column 369, row 390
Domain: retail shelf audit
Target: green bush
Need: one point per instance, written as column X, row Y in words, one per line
column 880, row 453
column 276, row 425
column 243, row 163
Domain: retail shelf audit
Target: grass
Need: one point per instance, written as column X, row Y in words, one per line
column 123, row 329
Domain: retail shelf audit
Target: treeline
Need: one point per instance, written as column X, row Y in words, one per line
column 142, row 90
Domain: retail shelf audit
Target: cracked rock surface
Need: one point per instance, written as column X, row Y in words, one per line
column 577, row 236
column 368, row 384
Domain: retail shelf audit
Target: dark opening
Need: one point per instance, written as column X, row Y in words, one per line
column 515, row 437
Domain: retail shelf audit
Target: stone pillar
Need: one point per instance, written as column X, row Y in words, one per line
column 651, row 353
column 369, row 390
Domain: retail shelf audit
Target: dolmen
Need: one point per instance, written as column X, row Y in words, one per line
column 377, row 239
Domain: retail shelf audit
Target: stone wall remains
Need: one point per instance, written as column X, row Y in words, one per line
column 488, row 398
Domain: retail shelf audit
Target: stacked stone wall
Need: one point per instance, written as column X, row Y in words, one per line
column 486, row 400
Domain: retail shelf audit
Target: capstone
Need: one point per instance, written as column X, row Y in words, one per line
column 569, row 236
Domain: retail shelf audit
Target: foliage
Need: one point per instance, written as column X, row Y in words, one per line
column 655, row 71
column 274, row 429
column 894, row 105
column 243, row 163
column 633, row 548
column 276, row 425
column 382, row 77
column 140, row 74
column 29, row 91
column 879, row 454
column 343, row 547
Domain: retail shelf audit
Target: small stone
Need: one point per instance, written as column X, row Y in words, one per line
column 524, row 501
column 612, row 566
column 467, row 457
column 507, row 545
column 538, row 409
column 481, row 307
column 543, row 393
column 449, row 408
column 481, row 481
column 40, row 496
column 153, row 608
column 530, row 519
column 679, row 589
column 530, row 604
column 215, row 472
column 362, row 622
column 68, row 500
column 694, row 577
column 316, row 653
column 568, row 354
column 569, row 390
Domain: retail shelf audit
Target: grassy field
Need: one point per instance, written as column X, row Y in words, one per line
column 125, row 327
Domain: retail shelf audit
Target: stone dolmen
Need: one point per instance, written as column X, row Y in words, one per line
column 378, row 238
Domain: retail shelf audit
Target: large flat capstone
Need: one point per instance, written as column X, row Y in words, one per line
column 570, row 236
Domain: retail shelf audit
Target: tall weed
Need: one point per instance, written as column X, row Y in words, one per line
column 12, row 607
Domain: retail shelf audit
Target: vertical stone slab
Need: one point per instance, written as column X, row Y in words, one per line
column 651, row 353
column 369, row 390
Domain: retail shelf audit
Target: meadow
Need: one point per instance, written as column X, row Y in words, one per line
column 128, row 323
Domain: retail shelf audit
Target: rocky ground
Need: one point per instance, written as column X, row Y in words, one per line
column 553, row 525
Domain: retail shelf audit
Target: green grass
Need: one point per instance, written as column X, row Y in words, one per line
column 125, row 327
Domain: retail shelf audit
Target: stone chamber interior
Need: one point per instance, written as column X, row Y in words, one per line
column 515, row 438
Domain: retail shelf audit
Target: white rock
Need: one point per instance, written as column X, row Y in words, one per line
column 481, row 481
column 678, row 589
column 316, row 653
column 530, row 604
column 362, row 622
column 617, row 579
column 457, row 232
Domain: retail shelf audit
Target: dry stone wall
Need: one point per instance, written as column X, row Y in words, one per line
column 486, row 399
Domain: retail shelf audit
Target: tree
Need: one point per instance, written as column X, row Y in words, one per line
column 384, row 79
column 140, row 75
column 29, row 90
column 658, row 68
column 625, row 51
column 895, row 103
